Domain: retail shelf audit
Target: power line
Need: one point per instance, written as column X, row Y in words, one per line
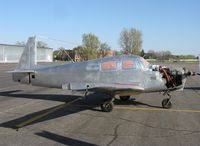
column 58, row 40
column 67, row 42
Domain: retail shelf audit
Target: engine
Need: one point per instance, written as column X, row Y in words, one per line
column 174, row 77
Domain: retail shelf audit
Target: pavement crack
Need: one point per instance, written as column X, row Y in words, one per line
column 196, row 92
column 149, row 126
column 115, row 134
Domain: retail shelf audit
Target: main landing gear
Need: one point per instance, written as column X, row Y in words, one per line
column 107, row 105
column 166, row 103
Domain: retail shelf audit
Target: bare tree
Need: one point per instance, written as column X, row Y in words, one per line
column 131, row 41
column 161, row 55
column 151, row 54
column 41, row 44
column 20, row 43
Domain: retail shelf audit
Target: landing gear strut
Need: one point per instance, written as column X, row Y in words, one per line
column 166, row 103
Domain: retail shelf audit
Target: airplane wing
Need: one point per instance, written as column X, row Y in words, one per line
column 103, row 87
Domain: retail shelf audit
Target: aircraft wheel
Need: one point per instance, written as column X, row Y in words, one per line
column 107, row 106
column 124, row 98
column 166, row 103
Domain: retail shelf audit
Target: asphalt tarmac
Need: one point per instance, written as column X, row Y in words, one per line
column 37, row 116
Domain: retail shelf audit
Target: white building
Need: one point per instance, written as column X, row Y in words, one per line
column 12, row 53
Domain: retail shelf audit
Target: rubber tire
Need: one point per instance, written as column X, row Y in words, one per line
column 107, row 106
column 166, row 103
column 124, row 98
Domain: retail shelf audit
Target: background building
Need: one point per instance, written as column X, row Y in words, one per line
column 12, row 53
column 105, row 53
column 73, row 54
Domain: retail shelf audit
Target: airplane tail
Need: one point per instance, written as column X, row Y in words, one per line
column 27, row 63
column 28, row 59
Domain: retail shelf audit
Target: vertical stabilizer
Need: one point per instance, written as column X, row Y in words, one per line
column 29, row 56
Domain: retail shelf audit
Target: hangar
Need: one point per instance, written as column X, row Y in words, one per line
column 11, row 53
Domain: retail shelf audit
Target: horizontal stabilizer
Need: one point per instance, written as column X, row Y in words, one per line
column 21, row 71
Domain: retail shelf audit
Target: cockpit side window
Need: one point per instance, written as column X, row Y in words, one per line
column 109, row 66
column 128, row 64
column 137, row 63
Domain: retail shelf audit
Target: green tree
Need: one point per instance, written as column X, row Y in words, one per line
column 55, row 55
column 142, row 53
column 131, row 41
column 90, row 41
column 85, row 53
column 89, row 47
column 120, row 52
column 105, row 46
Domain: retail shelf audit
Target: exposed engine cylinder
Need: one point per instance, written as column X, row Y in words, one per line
column 175, row 77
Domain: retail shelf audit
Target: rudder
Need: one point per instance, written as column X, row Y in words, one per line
column 28, row 58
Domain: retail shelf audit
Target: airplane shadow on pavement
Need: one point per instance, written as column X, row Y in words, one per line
column 90, row 102
column 63, row 139
column 193, row 88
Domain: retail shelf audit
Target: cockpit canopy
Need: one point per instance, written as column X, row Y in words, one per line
column 127, row 62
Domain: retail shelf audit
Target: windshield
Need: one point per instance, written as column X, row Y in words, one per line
column 145, row 64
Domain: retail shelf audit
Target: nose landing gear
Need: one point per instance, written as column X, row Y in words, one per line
column 166, row 103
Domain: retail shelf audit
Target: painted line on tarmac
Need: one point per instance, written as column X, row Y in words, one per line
column 156, row 109
column 46, row 113
column 144, row 108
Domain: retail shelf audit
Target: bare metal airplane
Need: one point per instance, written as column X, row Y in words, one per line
column 125, row 76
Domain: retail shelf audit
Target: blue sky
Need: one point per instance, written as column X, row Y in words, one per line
column 172, row 25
